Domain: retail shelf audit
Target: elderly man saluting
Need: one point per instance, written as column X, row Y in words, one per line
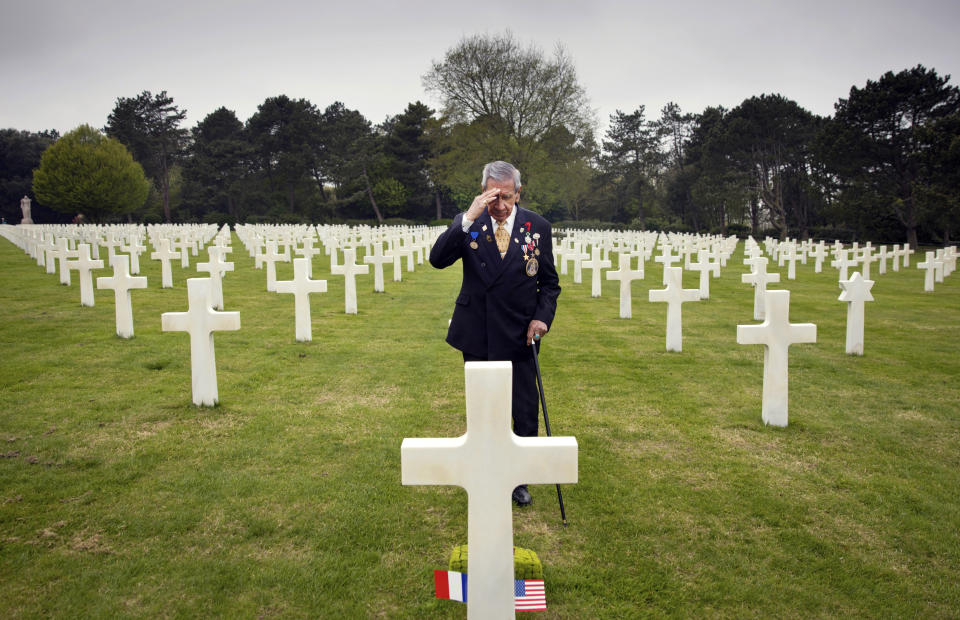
column 510, row 287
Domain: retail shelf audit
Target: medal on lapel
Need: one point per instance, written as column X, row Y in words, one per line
column 532, row 266
column 473, row 244
column 530, row 250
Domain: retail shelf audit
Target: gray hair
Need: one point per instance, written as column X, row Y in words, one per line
column 500, row 171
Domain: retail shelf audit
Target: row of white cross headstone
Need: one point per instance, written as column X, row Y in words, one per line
column 777, row 332
column 205, row 295
column 711, row 254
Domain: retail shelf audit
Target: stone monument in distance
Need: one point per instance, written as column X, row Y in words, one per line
column 25, row 207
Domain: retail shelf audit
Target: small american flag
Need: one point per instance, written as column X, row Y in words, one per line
column 529, row 595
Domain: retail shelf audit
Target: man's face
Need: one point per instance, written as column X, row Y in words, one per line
column 501, row 206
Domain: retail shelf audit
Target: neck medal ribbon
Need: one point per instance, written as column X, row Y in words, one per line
column 473, row 244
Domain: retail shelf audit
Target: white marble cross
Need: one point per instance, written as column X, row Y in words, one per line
column 949, row 260
column 121, row 282
column 883, row 256
column 714, row 260
column 759, row 278
column 85, row 265
column 856, row 291
column 216, row 267
column 843, row 262
column 165, row 255
column 819, row 253
column 63, row 253
column 668, row 259
column 866, row 258
column 789, row 254
column 34, row 249
column 397, row 259
column 182, row 245
column 201, row 320
column 930, row 265
column 939, row 266
column 895, row 255
column 906, row 252
column 674, row 295
column 776, row 333
column 134, row 249
column 331, row 249
column 111, row 243
column 93, row 238
column 271, row 257
column 49, row 247
column 350, row 270
column 301, row 286
column 308, row 251
column 377, row 259
column 626, row 275
column 406, row 249
column 559, row 249
column 705, row 267
column 596, row 265
column 489, row 461
column 568, row 251
column 578, row 256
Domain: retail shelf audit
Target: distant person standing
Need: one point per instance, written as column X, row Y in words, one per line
column 508, row 297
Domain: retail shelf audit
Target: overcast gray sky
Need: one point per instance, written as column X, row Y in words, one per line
column 63, row 63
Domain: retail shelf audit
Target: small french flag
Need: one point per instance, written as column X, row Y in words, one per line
column 451, row 585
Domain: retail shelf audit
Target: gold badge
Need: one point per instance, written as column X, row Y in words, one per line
column 532, row 267
column 474, row 245
column 489, row 238
column 537, row 252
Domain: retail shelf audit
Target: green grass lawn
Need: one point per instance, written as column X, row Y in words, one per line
column 118, row 497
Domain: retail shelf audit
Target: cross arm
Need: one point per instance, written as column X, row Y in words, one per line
column 547, row 460
column 222, row 321
column 658, row 294
column 175, row 322
column 753, row 334
column 803, row 333
column 432, row 461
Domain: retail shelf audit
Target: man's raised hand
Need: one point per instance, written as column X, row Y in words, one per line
column 479, row 205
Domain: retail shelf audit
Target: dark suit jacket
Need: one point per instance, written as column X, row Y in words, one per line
column 498, row 299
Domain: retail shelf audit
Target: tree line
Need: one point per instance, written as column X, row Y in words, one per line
column 883, row 167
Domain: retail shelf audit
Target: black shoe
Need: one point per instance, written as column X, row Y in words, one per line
column 522, row 496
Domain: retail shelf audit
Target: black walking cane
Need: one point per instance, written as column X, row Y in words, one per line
column 546, row 420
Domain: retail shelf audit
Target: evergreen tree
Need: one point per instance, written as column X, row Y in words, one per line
column 879, row 143
column 286, row 134
column 352, row 160
column 629, row 163
column 149, row 126
column 407, row 150
column 220, row 158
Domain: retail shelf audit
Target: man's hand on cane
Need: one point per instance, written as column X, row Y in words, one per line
column 535, row 331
